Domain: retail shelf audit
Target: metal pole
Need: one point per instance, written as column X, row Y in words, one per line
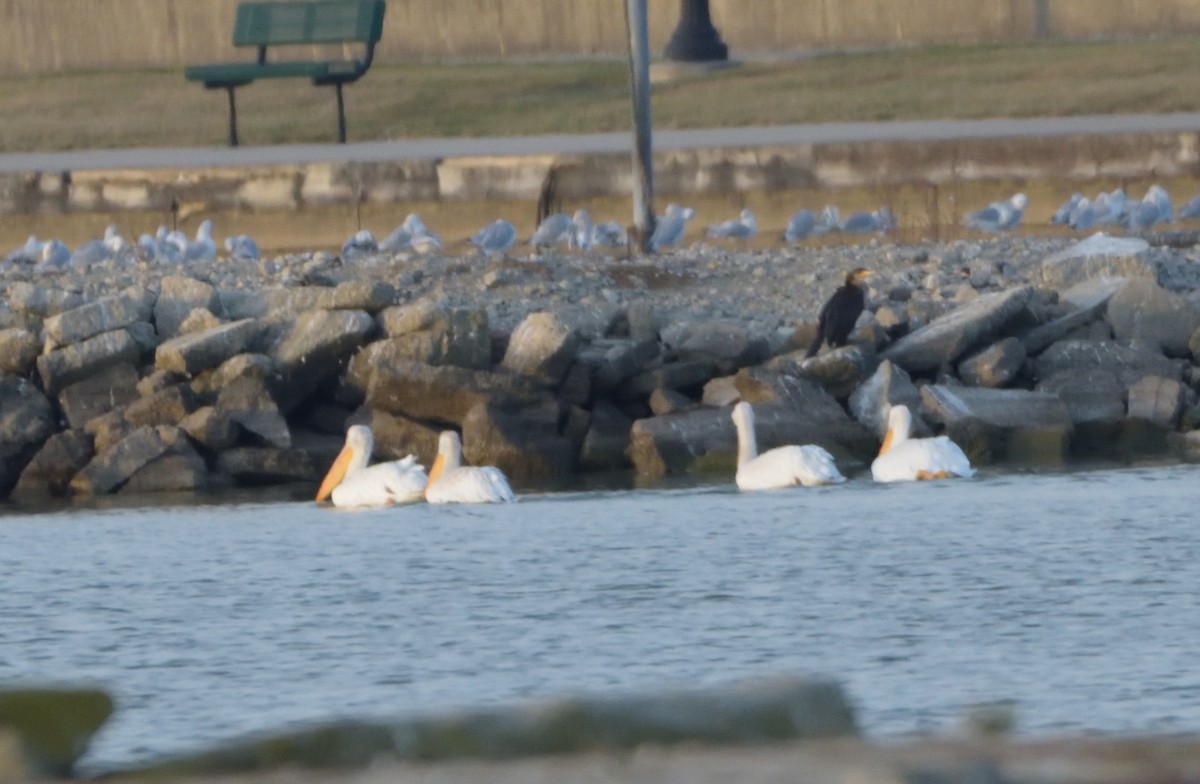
column 643, row 155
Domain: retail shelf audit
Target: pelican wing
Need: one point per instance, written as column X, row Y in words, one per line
column 470, row 485
column 397, row 482
column 785, row 466
column 916, row 457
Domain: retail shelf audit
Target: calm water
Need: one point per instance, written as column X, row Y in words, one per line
column 1075, row 595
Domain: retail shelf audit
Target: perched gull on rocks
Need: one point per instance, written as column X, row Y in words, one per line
column 1083, row 216
column 830, row 220
column 609, row 235
column 425, row 244
column 553, row 229
column 242, row 247
column 495, row 238
column 744, row 227
column 1063, row 214
column 1191, row 209
column 361, row 244
column 581, row 232
column 669, row 228
column 880, row 220
column 29, row 253
column 203, row 248
column 399, row 239
column 799, row 226
column 55, row 256
column 1155, row 207
column 98, row 251
column 999, row 215
column 417, row 228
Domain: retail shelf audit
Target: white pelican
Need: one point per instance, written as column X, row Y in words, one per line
column 351, row 482
column 783, row 466
column 450, row 482
column 904, row 459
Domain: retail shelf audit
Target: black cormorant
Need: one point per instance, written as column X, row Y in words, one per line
column 840, row 313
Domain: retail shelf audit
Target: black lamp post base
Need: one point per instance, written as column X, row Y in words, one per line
column 695, row 39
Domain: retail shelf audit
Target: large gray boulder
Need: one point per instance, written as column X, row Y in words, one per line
column 1001, row 425
column 683, row 374
column 542, row 347
column 165, row 407
column 1093, row 396
column 50, row 471
column 26, row 421
column 267, row 465
column 1078, row 306
column 110, row 389
column 1141, row 310
column 192, row 352
column 947, row 338
column 248, row 402
column 615, row 360
column 1157, row 400
column 446, row 393
column 314, row 348
column 728, row 346
column 840, row 370
column 397, row 436
column 1099, row 256
column 211, row 428
column 364, row 295
column 523, row 443
column 178, row 296
column 606, row 444
column 112, row 467
column 888, row 386
column 76, row 362
column 19, row 350
column 1126, row 363
column 102, row 315
column 996, row 366
column 425, row 332
column 184, row 472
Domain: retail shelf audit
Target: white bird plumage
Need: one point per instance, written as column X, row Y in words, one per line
column 361, row 244
column 553, row 230
column 744, row 227
column 800, row 225
column 669, row 228
column 905, row 459
column 352, row 482
column 782, row 466
column 202, row 248
column 999, row 215
column 242, row 247
column 495, row 238
column 451, row 482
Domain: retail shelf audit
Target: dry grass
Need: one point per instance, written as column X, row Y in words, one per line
column 158, row 108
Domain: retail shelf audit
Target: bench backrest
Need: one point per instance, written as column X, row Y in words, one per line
column 308, row 22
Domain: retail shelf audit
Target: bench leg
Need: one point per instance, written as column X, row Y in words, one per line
column 341, row 114
column 233, row 140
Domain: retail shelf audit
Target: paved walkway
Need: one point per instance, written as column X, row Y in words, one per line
column 580, row 144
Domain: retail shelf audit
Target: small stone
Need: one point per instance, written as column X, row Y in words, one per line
column 19, row 350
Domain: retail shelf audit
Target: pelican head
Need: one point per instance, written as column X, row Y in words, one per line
column 354, row 455
column 899, row 427
column 449, row 456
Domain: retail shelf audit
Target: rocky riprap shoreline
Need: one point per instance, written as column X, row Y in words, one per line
column 135, row 378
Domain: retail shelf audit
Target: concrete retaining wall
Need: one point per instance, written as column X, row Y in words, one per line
column 48, row 35
column 711, row 171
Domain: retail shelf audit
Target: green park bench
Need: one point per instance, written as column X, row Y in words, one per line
column 290, row 22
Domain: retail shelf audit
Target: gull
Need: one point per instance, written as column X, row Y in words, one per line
column 744, row 227
column 495, row 238
column 1112, row 207
column 203, row 248
column 581, row 235
column 399, row 239
column 799, row 226
column 668, row 230
column 552, row 230
column 1083, row 217
column 610, row 235
column 1063, row 213
column 98, row 251
column 425, row 244
column 242, row 247
column 55, row 255
column 416, row 227
column 361, row 244
column 1155, row 207
column 999, row 215
column 880, row 220
column 1191, row 209
column 30, row 252
column 830, row 220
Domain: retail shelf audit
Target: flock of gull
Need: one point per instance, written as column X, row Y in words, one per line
column 1107, row 208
